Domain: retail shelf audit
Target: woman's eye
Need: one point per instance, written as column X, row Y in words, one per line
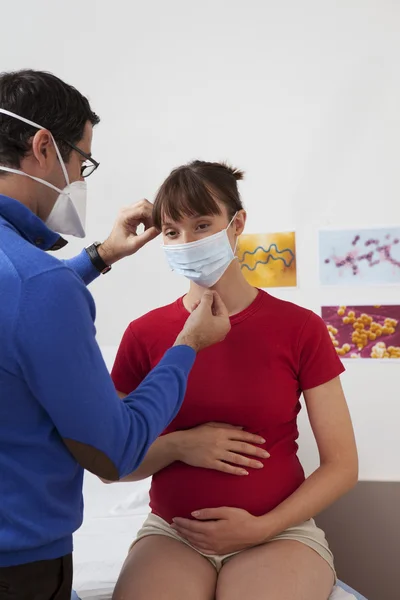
column 203, row 226
column 170, row 234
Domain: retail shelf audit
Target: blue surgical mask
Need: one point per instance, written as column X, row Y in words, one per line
column 203, row 261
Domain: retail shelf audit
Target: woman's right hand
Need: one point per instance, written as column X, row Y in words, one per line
column 221, row 447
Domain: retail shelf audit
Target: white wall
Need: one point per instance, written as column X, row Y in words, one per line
column 304, row 96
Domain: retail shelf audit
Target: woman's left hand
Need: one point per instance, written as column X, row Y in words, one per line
column 220, row 530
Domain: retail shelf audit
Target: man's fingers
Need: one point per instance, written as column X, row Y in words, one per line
column 150, row 233
column 194, row 306
column 207, row 299
column 142, row 239
column 218, row 307
column 141, row 212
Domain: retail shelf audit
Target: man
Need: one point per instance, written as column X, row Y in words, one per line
column 59, row 412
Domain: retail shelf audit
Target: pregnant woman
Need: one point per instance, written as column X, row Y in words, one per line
column 231, row 510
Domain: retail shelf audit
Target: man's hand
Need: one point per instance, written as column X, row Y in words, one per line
column 124, row 239
column 208, row 323
column 221, row 530
column 219, row 446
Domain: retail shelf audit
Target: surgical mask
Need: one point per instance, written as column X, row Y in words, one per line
column 203, row 261
column 68, row 215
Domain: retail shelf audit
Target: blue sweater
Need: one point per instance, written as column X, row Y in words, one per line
column 54, row 386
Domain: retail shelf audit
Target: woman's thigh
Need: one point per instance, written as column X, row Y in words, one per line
column 161, row 568
column 280, row 570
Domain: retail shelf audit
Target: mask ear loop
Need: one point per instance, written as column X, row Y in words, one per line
column 237, row 238
column 16, row 172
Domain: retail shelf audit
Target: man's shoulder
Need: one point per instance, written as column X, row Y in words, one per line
column 20, row 260
column 28, row 274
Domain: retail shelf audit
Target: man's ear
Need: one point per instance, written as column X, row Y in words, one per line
column 43, row 150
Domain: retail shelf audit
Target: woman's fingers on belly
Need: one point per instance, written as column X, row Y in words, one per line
column 245, row 448
column 191, row 536
column 198, row 540
column 225, row 467
column 245, row 461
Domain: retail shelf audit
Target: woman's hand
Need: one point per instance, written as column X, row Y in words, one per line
column 221, row 530
column 219, row 446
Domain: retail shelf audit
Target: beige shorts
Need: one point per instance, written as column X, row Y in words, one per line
column 308, row 533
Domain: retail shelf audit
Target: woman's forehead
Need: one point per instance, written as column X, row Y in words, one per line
column 188, row 219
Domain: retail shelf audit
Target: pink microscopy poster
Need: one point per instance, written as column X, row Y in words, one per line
column 360, row 256
column 364, row 331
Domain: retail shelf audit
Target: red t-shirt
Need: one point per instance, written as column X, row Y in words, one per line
column 254, row 379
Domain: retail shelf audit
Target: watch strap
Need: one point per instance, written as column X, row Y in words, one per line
column 96, row 259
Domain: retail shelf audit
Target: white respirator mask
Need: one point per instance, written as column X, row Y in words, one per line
column 68, row 215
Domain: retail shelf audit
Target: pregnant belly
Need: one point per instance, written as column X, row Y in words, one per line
column 180, row 489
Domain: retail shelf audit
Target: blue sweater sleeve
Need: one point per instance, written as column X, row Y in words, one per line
column 83, row 266
column 62, row 364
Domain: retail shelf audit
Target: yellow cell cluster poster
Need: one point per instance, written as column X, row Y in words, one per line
column 268, row 260
column 364, row 331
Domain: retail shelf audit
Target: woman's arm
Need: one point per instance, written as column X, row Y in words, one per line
column 160, row 454
column 210, row 446
column 338, row 471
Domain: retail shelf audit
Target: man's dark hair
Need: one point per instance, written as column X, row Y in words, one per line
column 45, row 99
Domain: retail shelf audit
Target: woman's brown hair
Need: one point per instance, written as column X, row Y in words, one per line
column 194, row 189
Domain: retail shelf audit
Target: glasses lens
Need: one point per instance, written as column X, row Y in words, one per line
column 87, row 169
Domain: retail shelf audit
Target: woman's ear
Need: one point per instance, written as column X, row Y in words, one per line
column 240, row 222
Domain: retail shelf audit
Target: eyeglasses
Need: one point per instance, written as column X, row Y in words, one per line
column 90, row 166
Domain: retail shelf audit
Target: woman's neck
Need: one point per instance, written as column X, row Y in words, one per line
column 234, row 290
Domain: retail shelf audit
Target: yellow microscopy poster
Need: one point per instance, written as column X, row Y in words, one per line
column 268, row 259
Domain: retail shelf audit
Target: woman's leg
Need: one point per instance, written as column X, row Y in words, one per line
column 280, row 570
column 161, row 568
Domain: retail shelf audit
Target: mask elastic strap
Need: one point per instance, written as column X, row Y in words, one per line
column 237, row 239
column 16, row 172
column 33, row 124
column 231, row 221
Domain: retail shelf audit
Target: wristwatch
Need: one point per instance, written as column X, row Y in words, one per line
column 96, row 259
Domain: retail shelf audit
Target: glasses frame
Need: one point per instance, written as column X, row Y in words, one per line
column 86, row 156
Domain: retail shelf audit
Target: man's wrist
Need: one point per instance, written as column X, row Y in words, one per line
column 107, row 254
column 188, row 340
column 96, row 258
